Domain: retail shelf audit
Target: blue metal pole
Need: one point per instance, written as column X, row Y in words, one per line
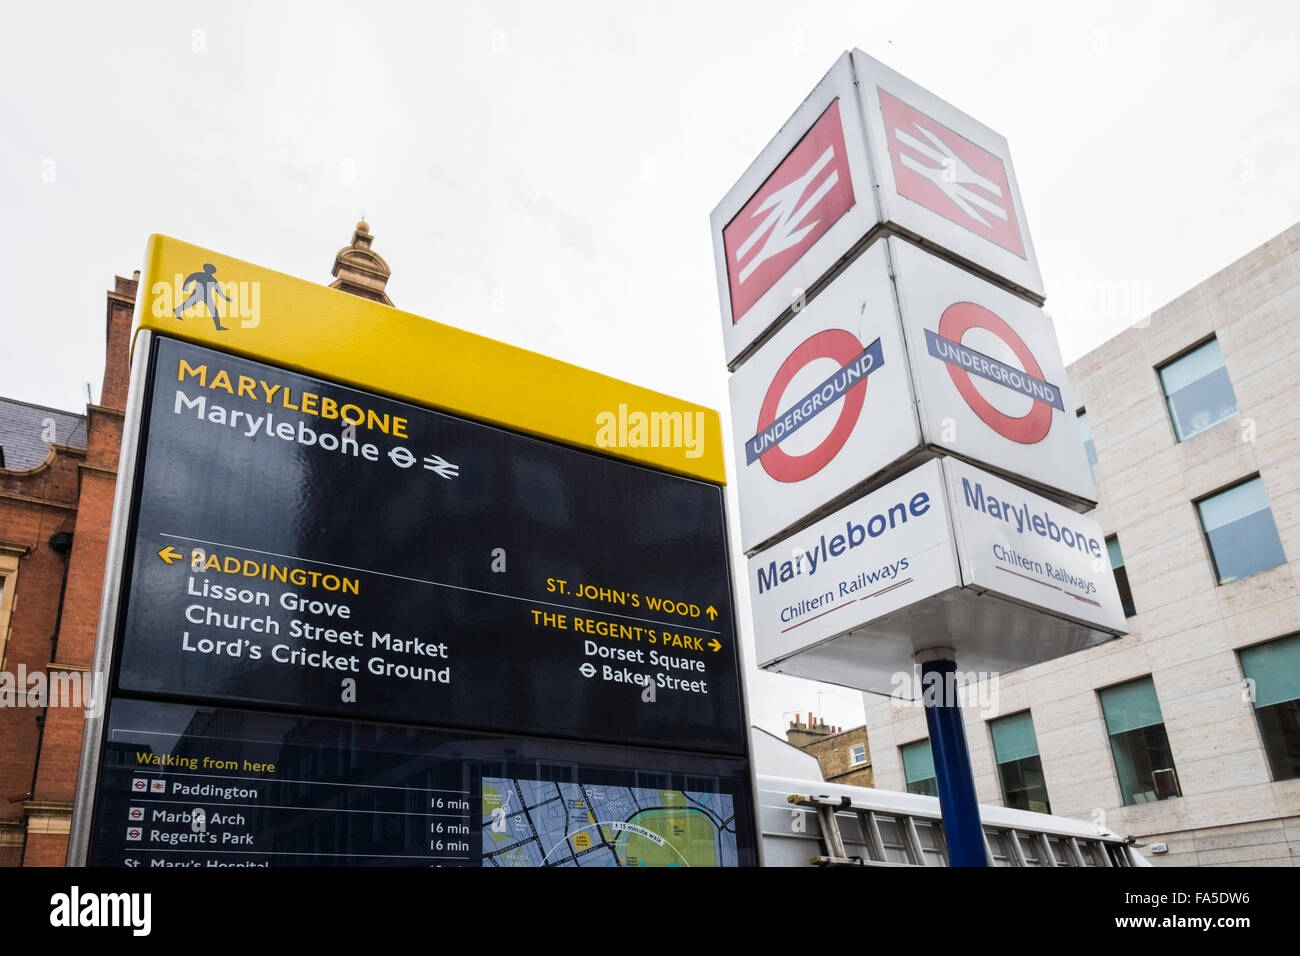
column 961, row 815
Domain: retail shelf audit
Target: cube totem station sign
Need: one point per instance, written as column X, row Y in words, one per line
column 384, row 592
column 912, row 479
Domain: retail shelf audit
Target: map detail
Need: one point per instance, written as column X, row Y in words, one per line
column 540, row 823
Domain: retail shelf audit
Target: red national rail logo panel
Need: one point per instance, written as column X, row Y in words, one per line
column 949, row 175
column 795, row 206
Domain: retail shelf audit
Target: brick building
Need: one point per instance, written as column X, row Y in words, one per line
column 56, row 497
column 1185, row 732
column 844, row 756
column 58, row 474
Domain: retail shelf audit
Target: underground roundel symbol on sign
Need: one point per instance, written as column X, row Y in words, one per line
column 962, row 362
column 844, row 392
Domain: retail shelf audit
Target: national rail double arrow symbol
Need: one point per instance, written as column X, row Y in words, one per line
column 441, row 466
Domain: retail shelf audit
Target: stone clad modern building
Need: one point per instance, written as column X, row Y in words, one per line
column 1185, row 732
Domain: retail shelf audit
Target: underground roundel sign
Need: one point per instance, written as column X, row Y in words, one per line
column 842, row 395
column 964, row 362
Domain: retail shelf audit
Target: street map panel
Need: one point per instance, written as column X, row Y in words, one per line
column 541, row 823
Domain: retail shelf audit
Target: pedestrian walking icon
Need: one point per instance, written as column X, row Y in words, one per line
column 206, row 290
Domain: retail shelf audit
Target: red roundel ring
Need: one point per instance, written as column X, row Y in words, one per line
column 841, row 346
column 957, row 319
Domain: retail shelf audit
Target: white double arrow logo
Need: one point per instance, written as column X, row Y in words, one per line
column 953, row 176
column 785, row 213
column 441, row 466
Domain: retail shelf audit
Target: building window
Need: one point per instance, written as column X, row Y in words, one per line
column 858, row 754
column 1197, row 390
column 918, row 769
column 1138, row 742
column 1121, row 576
column 1015, row 749
column 1274, row 672
column 1240, row 531
column 1088, row 446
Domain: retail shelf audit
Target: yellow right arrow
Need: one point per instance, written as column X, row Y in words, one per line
column 170, row 554
column 715, row 645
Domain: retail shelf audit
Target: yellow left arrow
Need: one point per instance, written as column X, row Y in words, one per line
column 170, row 554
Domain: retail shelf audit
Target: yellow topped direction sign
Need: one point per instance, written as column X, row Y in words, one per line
column 203, row 297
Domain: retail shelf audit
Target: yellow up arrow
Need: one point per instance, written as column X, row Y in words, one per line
column 712, row 612
column 170, row 554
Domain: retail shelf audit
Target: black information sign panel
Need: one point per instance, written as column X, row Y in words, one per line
column 300, row 545
column 201, row 786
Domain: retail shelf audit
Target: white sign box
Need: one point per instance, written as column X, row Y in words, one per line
column 883, row 553
column 799, row 209
column 824, row 405
column 821, row 190
column 945, row 556
column 945, row 178
column 877, row 374
column 988, row 376
column 1032, row 550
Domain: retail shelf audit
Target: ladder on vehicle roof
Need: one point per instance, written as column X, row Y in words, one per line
column 916, row 841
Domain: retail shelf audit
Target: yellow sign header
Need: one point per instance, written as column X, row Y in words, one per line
column 209, row 299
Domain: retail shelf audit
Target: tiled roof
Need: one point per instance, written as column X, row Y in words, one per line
column 24, row 427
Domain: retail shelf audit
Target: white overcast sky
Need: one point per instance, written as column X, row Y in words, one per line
column 543, row 172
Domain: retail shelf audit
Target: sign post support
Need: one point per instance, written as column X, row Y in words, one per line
column 913, row 483
column 952, row 770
